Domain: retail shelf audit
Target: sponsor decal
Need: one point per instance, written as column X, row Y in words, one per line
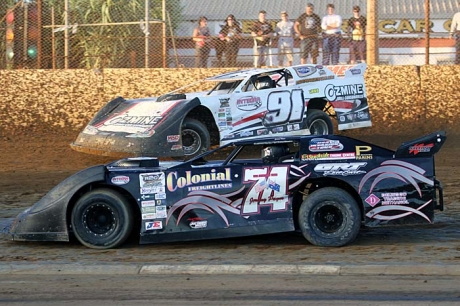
column 246, row 133
column 262, row 132
column 278, row 129
column 120, row 180
column 323, row 144
column 176, row 147
column 372, row 200
column 273, row 185
column 199, row 224
column 149, row 210
column 305, row 71
column 394, row 198
column 355, row 71
column 362, row 115
column 313, row 91
column 420, row 148
column 151, row 182
column 343, row 169
column 138, row 121
column 344, row 92
column 248, row 103
column 147, row 203
column 154, row 225
column 174, row 181
column 149, row 216
column 160, row 196
column 360, row 155
column 224, row 102
column 161, row 212
column 172, row 138
column 328, row 156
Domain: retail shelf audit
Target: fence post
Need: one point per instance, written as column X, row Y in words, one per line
column 372, row 33
column 147, row 32
column 427, row 32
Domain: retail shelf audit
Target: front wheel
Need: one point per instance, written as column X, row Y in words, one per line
column 195, row 137
column 102, row 219
column 329, row 216
column 319, row 123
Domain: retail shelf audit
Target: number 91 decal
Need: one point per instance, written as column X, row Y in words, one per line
column 283, row 107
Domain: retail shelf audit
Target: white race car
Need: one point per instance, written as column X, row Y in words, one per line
column 244, row 104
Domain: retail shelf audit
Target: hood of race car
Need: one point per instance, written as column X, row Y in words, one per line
column 140, row 127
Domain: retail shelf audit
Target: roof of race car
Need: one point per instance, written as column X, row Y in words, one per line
column 240, row 74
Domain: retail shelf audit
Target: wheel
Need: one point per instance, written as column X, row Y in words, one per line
column 329, row 217
column 319, row 123
column 171, row 97
column 102, row 219
column 195, row 137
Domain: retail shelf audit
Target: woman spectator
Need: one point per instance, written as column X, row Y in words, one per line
column 230, row 34
column 202, row 39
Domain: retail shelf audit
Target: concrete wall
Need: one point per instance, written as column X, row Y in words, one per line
column 404, row 100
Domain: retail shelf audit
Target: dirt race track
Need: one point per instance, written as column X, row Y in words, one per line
column 32, row 164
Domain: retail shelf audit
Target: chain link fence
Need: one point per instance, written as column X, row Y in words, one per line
column 93, row 34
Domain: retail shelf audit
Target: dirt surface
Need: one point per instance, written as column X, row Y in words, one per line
column 32, row 164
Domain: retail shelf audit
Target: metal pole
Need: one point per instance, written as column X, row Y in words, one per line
column 165, row 56
column 25, row 31
column 53, row 41
column 372, row 33
column 39, row 34
column 147, row 32
column 66, row 34
column 427, row 32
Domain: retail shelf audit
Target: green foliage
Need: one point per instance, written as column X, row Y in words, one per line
column 101, row 46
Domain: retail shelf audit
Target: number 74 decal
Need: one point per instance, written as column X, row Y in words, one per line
column 284, row 106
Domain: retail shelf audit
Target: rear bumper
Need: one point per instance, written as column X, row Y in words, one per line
column 439, row 196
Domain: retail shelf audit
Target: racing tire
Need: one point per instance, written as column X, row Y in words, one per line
column 171, row 97
column 102, row 219
column 319, row 123
column 195, row 137
column 329, row 217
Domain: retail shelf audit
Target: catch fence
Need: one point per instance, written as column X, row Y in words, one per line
column 94, row 34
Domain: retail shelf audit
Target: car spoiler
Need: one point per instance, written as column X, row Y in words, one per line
column 424, row 146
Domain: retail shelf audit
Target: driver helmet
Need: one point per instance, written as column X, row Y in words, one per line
column 271, row 154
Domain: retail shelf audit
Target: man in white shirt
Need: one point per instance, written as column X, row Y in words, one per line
column 455, row 33
column 285, row 32
column 332, row 36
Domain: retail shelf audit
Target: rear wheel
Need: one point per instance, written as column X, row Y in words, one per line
column 195, row 137
column 329, row 216
column 319, row 123
column 102, row 219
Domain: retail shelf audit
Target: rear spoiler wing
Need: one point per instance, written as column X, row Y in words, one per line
column 424, row 146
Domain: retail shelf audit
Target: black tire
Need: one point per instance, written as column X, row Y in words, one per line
column 171, row 97
column 319, row 123
column 102, row 219
column 329, row 217
column 195, row 137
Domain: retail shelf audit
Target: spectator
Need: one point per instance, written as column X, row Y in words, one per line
column 308, row 27
column 455, row 33
column 332, row 36
column 262, row 31
column 202, row 39
column 357, row 36
column 285, row 32
column 230, row 35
